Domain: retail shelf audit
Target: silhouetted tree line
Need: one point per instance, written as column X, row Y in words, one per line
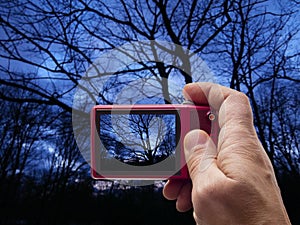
column 82, row 204
column 46, row 47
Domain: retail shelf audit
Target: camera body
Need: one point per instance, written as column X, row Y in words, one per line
column 139, row 142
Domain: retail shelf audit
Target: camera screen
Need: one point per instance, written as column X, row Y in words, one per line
column 138, row 141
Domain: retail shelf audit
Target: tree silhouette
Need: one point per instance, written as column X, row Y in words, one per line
column 47, row 47
column 256, row 49
column 139, row 138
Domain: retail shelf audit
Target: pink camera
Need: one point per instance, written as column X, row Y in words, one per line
column 144, row 141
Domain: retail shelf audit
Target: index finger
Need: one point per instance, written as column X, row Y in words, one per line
column 237, row 139
column 232, row 106
column 207, row 94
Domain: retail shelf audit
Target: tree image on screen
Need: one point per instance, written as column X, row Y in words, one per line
column 138, row 139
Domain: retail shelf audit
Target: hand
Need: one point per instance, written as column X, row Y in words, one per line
column 232, row 182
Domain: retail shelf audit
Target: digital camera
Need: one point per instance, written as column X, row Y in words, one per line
column 144, row 141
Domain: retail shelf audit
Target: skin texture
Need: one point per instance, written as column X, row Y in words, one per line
column 232, row 181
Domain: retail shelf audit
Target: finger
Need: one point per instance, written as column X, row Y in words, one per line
column 172, row 188
column 233, row 107
column 184, row 201
column 207, row 178
column 200, row 153
column 206, row 94
column 180, row 190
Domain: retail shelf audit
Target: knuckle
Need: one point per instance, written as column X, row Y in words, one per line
column 243, row 97
column 206, row 192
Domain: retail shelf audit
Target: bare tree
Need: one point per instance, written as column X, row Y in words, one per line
column 22, row 126
column 47, row 47
column 61, row 167
column 256, row 49
column 138, row 138
column 279, row 111
column 65, row 37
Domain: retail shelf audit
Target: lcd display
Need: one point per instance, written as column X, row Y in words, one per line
column 142, row 142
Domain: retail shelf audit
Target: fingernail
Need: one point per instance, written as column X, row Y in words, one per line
column 194, row 138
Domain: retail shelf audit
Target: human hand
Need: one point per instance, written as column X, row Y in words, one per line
column 232, row 182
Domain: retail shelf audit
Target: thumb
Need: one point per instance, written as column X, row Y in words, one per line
column 200, row 153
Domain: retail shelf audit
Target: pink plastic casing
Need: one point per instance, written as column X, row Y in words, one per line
column 187, row 123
